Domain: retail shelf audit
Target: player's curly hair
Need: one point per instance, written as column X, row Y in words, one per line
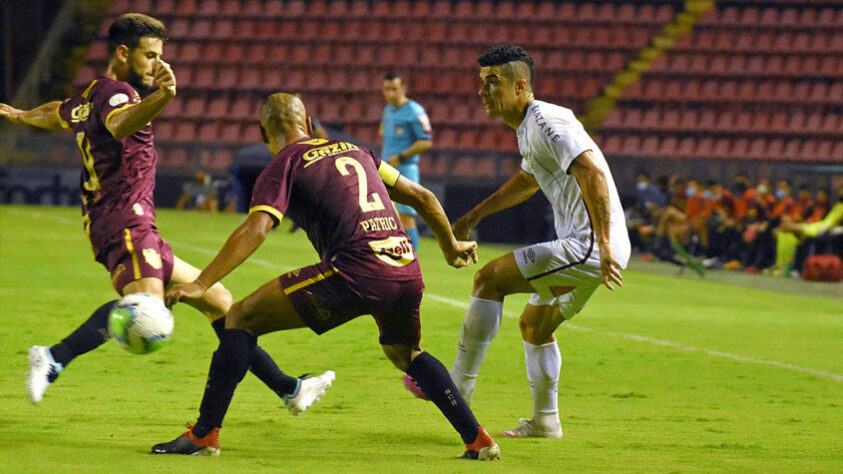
column 129, row 28
column 506, row 53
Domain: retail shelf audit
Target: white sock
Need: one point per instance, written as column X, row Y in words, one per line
column 481, row 323
column 544, row 363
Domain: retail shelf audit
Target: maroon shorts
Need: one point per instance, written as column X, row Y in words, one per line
column 326, row 298
column 135, row 253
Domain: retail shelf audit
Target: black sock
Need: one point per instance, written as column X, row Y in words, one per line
column 433, row 379
column 87, row 337
column 228, row 367
column 265, row 368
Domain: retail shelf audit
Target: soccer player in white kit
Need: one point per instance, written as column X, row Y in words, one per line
column 592, row 245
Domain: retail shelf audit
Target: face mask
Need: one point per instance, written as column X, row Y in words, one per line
column 690, row 192
column 762, row 189
column 781, row 193
column 641, row 185
column 707, row 194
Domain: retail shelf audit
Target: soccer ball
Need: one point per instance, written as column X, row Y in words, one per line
column 140, row 323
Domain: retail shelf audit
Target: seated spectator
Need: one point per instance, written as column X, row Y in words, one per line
column 723, row 227
column 789, row 235
column 201, row 193
column 642, row 217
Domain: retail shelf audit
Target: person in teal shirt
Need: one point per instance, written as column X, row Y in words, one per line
column 406, row 133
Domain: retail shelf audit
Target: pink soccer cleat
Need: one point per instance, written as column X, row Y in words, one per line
column 414, row 388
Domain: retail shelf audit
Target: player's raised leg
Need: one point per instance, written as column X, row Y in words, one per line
column 267, row 309
column 46, row 363
column 214, row 304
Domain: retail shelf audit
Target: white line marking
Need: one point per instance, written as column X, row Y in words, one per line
column 510, row 314
column 662, row 342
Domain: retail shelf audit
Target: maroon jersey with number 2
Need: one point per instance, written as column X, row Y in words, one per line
column 335, row 191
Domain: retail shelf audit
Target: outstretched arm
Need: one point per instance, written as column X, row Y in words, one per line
column 127, row 120
column 239, row 246
column 595, row 193
column 516, row 190
column 457, row 253
column 44, row 116
column 418, row 147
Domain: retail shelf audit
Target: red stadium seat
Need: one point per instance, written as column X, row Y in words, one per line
column 705, row 148
column 208, row 131
column 687, row 148
column 791, row 149
column 185, row 131
column 721, row 148
column 194, row 107
column 613, row 145
column 775, row 149
column 650, row 147
column 631, row 145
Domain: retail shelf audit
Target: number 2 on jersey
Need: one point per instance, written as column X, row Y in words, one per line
column 93, row 182
column 369, row 203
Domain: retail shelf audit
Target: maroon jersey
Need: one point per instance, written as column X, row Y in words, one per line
column 118, row 175
column 335, row 192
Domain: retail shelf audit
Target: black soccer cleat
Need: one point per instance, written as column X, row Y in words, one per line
column 190, row 445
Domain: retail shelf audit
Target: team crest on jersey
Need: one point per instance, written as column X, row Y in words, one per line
column 153, row 258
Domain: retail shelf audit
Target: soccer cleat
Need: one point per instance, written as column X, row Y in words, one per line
column 190, row 445
column 527, row 429
column 309, row 392
column 483, row 448
column 43, row 370
column 411, row 385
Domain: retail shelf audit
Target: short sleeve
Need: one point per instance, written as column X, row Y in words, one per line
column 525, row 166
column 570, row 142
column 272, row 190
column 64, row 113
column 421, row 124
column 113, row 97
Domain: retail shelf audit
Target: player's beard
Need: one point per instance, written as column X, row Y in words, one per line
column 136, row 81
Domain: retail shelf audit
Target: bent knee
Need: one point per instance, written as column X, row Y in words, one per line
column 238, row 317
column 486, row 282
column 217, row 300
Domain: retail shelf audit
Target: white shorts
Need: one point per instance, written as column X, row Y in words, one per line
column 561, row 263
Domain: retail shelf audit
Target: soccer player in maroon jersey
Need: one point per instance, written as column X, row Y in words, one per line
column 338, row 194
column 113, row 131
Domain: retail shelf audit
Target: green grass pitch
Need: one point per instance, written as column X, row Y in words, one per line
column 663, row 375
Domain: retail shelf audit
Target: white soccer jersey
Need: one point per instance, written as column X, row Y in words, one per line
column 549, row 138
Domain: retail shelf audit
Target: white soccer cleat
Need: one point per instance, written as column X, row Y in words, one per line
column 527, row 429
column 42, row 371
column 310, row 390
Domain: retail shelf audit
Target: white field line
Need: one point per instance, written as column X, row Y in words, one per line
column 464, row 305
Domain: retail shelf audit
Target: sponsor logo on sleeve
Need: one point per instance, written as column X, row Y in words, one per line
column 118, row 99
